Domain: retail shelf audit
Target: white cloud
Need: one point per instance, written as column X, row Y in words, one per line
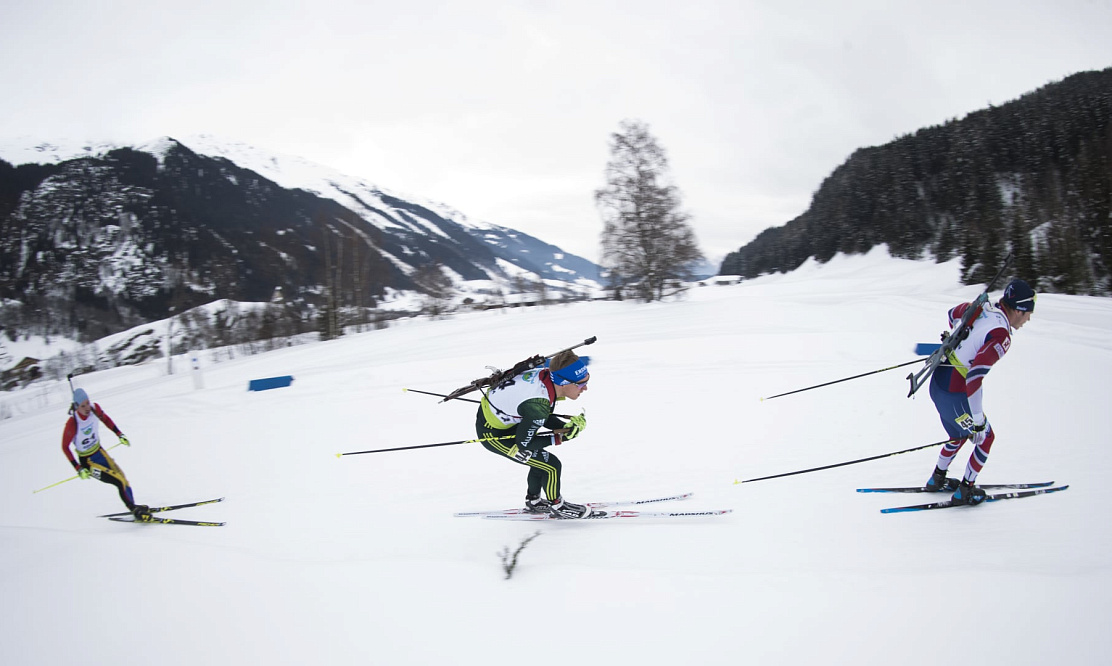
column 503, row 109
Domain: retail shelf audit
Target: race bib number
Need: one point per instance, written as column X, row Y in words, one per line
column 965, row 421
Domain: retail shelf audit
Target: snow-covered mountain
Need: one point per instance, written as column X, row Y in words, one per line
column 386, row 208
column 113, row 232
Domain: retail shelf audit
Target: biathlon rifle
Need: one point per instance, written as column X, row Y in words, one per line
column 951, row 339
column 499, row 376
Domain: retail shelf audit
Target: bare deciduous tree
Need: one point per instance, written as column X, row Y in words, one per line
column 646, row 240
column 333, row 264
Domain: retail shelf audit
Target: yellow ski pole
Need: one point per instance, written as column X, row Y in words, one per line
column 55, row 484
column 72, row 477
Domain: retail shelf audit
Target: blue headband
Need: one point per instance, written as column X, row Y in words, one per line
column 570, row 374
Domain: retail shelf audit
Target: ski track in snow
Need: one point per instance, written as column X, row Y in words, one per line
column 359, row 559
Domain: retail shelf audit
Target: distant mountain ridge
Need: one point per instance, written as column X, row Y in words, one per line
column 100, row 237
column 1032, row 176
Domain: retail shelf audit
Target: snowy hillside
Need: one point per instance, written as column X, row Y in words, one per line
column 328, row 560
column 289, row 171
column 381, row 207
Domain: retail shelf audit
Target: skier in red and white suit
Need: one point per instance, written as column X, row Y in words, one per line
column 956, row 386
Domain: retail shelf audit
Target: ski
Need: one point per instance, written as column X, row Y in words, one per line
column 592, row 505
column 996, row 497
column 609, row 515
column 165, row 521
column 156, row 509
column 952, row 485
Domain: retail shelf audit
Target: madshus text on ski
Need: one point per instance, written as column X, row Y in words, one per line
column 600, row 511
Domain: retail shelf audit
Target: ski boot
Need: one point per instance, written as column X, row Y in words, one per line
column 536, row 504
column 562, row 509
column 939, row 483
column 142, row 513
column 968, row 493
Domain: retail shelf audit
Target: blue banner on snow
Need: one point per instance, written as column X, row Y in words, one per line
column 269, row 383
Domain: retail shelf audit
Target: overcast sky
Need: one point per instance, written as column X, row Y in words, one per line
column 503, row 109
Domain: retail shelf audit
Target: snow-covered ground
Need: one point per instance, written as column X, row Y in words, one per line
column 358, row 559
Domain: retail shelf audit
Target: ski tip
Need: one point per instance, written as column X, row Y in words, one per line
column 339, row 455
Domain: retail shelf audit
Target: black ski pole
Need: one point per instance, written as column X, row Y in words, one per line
column 438, row 395
column 426, row 446
column 441, row 395
column 843, row 464
column 838, row 381
column 419, row 446
column 951, row 340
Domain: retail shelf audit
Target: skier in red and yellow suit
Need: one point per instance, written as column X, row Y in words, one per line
column 82, row 446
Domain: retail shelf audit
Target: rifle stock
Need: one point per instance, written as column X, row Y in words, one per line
column 523, row 366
